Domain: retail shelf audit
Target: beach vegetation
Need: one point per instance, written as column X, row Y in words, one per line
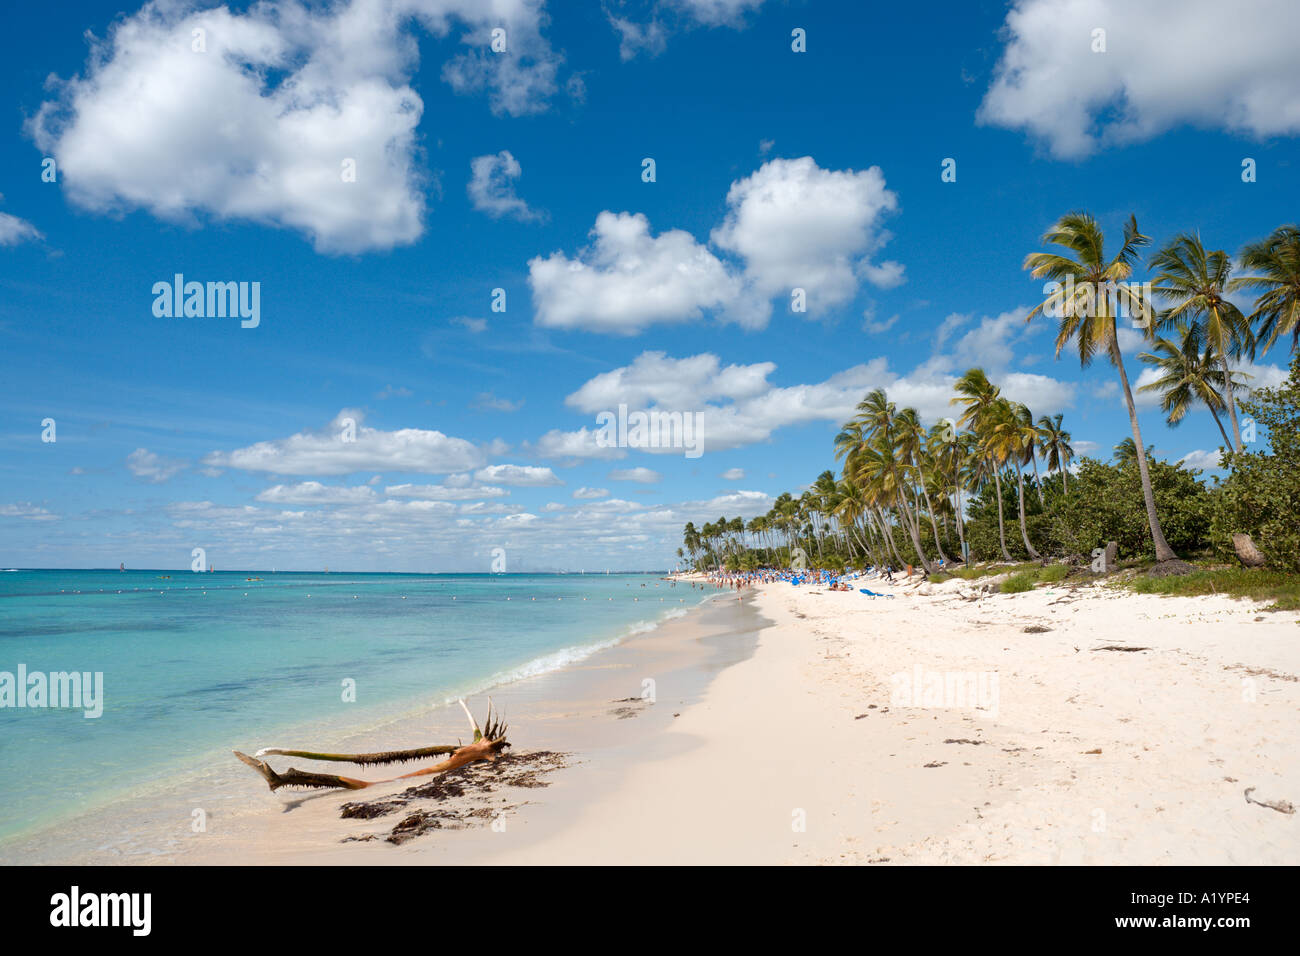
column 1280, row 589
column 1261, row 495
column 996, row 490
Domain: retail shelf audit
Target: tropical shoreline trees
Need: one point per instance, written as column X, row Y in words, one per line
column 908, row 494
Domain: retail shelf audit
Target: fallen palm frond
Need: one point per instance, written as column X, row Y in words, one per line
column 386, row 756
column 485, row 746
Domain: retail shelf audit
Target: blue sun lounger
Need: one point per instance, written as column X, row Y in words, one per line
column 870, row 593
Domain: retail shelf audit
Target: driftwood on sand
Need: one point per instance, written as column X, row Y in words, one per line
column 486, row 745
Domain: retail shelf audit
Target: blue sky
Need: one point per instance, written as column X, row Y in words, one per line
column 222, row 155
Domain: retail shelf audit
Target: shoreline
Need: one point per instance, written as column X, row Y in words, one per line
column 155, row 824
column 1099, row 727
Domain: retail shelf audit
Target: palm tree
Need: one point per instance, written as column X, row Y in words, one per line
column 1087, row 313
column 1007, row 444
column 872, row 466
column 691, row 538
column 736, row 526
column 1056, row 446
column 824, row 494
column 787, row 510
column 1126, row 452
column 1188, row 375
column 979, row 395
column 1194, row 282
column 1277, row 309
column 850, row 508
column 877, row 422
column 1030, row 437
column 911, row 449
column 951, row 449
column 1033, row 439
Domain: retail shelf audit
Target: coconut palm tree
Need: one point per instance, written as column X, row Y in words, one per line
column 951, row 450
column 1189, row 373
column 1090, row 291
column 1277, row 308
column 1056, row 446
column 1126, row 452
column 979, row 396
column 911, row 449
column 872, row 466
column 851, row 508
column 1030, row 437
column 824, row 493
column 877, row 421
column 1007, row 444
column 1194, row 282
column 691, row 538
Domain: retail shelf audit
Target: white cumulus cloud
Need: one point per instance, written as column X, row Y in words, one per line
column 287, row 114
column 791, row 224
column 347, row 445
column 800, row 226
column 1166, row 63
column 1204, row 460
column 532, row 476
column 628, row 279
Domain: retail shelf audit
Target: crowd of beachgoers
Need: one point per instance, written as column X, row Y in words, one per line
column 831, row 580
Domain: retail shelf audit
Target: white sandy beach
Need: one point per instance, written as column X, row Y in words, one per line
column 778, row 736
column 1093, row 757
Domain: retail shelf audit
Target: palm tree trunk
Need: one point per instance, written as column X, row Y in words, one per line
column 957, row 507
column 929, row 506
column 1038, row 481
column 1002, row 531
column 1232, row 406
column 914, row 532
column 1024, row 531
column 1163, row 551
column 1226, row 440
column 889, row 538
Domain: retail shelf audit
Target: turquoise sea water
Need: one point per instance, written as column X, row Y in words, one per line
column 196, row 664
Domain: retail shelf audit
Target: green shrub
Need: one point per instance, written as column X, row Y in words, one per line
column 1053, row 574
column 1261, row 495
column 1018, row 582
column 1105, row 503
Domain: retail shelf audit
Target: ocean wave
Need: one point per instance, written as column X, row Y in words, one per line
column 565, row 657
